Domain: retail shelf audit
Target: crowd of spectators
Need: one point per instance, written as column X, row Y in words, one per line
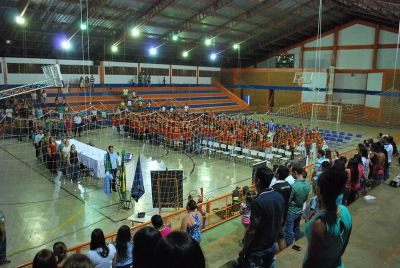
column 150, row 247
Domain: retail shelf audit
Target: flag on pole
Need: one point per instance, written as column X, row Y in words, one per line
column 137, row 186
column 107, row 184
column 122, row 178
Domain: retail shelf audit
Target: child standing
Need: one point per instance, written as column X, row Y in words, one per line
column 245, row 211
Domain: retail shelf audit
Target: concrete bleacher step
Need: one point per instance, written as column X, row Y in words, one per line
column 200, row 98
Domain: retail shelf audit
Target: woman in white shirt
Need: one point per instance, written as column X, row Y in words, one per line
column 100, row 254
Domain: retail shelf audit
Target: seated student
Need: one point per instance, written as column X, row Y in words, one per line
column 178, row 250
column 44, row 259
column 60, row 251
column 78, row 261
column 100, row 253
column 158, row 223
column 124, row 247
column 145, row 241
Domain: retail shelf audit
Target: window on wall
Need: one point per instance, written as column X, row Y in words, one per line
column 183, row 72
column 208, row 73
column 78, row 69
column 119, row 70
column 155, row 71
column 24, row 68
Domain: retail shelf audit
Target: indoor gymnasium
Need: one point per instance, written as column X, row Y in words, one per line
column 208, row 133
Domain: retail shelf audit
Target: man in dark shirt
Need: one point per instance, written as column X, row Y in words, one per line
column 265, row 223
column 284, row 188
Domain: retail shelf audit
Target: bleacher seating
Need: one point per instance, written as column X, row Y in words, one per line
column 200, row 98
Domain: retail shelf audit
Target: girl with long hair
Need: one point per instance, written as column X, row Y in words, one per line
column 328, row 231
column 124, row 246
column 100, row 254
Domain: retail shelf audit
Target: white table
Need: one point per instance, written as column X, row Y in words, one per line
column 134, row 218
column 91, row 157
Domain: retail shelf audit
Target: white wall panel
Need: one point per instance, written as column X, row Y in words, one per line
column 268, row 63
column 318, row 81
column 296, row 51
column 356, row 34
column 386, row 37
column 119, row 79
column 350, row 81
column 374, row 83
column 354, row 59
column 30, row 60
column 309, row 59
column 387, row 58
column 326, row 41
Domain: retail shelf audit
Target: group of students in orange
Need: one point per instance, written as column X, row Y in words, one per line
column 169, row 128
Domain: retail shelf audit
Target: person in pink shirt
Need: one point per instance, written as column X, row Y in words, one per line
column 158, row 223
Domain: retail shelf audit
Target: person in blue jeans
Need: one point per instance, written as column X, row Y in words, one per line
column 299, row 195
column 266, row 218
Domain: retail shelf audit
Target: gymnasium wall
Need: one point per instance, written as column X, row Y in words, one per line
column 17, row 71
column 352, row 46
column 364, row 56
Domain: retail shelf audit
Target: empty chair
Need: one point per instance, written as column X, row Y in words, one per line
column 261, row 155
column 217, row 149
column 204, row 147
column 224, row 150
column 243, row 155
column 281, row 152
column 211, row 149
column 269, row 157
column 231, row 151
column 274, row 150
column 254, row 154
column 248, row 158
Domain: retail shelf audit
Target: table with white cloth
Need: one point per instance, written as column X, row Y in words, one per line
column 90, row 156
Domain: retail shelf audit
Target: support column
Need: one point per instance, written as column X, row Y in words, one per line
column 376, row 46
column 101, row 72
column 5, row 69
column 335, row 47
column 197, row 74
column 170, row 73
column 301, row 62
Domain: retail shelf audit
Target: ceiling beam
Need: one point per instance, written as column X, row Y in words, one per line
column 196, row 18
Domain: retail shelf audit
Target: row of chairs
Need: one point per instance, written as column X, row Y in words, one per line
column 245, row 155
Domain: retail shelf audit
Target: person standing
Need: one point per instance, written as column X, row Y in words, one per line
column 9, row 115
column 317, row 167
column 111, row 164
column 299, row 195
column 81, row 84
column 34, row 98
column 328, row 231
column 73, row 163
column 52, row 155
column 44, row 96
column 265, row 223
column 87, row 82
column 3, row 240
column 283, row 187
column 91, row 85
column 192, row 223
column 77, row 124
column 389, row 149
column 65, row 155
